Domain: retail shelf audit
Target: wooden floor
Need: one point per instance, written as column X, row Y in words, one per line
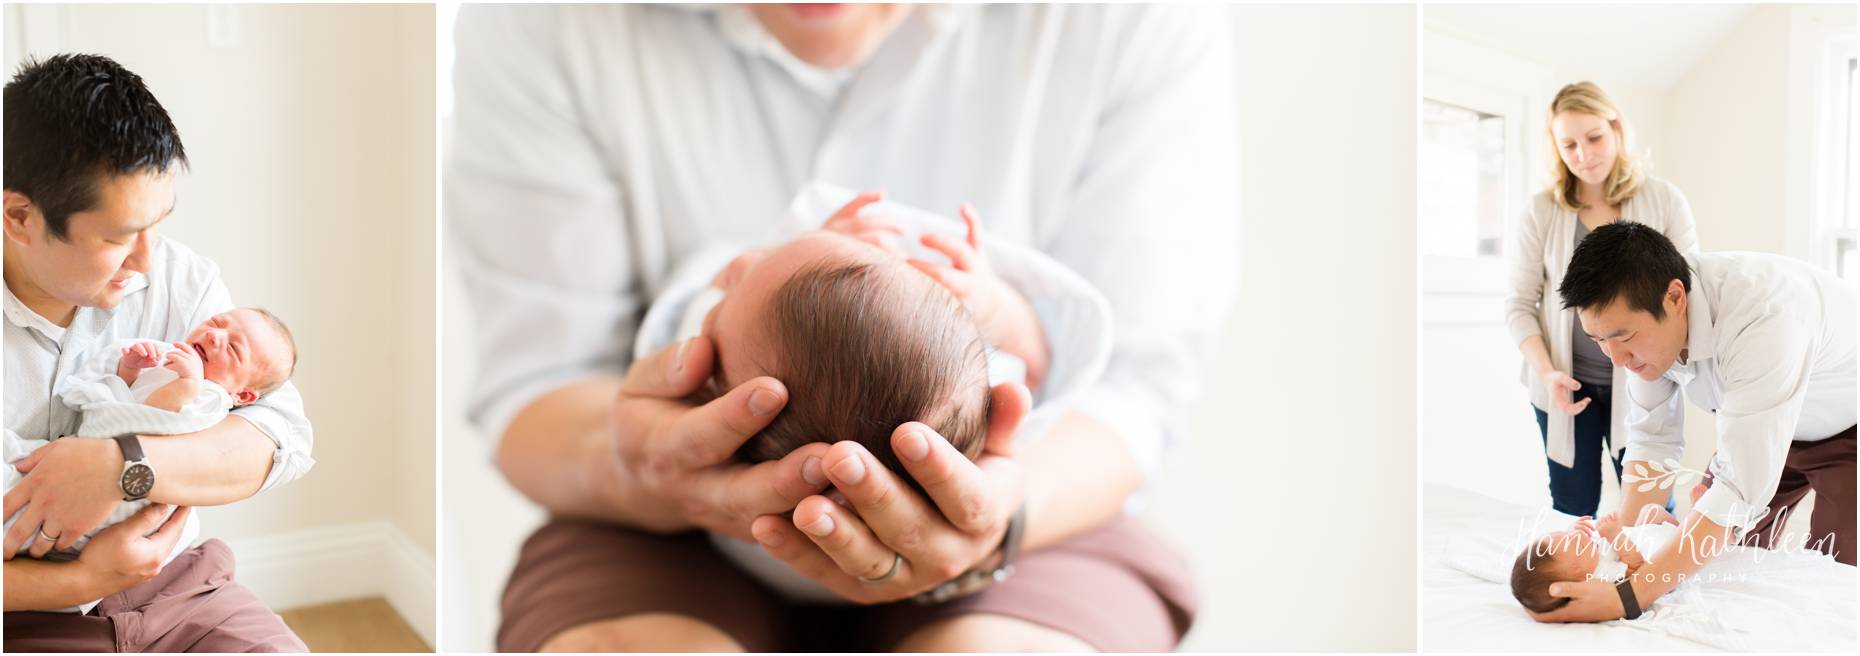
column 357, row 625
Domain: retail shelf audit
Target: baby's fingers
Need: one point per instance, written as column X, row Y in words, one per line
column 974, row 225
column 850, row 211
column 960, row 254
column 956, row 282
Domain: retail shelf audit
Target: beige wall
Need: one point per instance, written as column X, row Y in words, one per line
column 1728, row 121
column 311, row 142
column 1302, row 448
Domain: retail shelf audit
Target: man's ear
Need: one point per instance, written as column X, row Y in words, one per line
column 18, row 211
column 1676, row 297
column 1008, row 405
column 245, row 397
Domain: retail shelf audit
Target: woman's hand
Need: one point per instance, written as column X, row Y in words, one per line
column 677, row 472
column 931, row 540
column 70, row 487
column 127, row 554
column 1560, row 385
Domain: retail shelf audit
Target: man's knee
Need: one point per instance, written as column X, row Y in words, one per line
column 983, row 632
column 646, row 632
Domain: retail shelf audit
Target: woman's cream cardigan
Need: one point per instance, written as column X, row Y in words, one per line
column 1545, row 239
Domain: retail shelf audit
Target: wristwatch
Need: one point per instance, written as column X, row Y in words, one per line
column 1629, row 604
column 980, row 578
column 138, row 477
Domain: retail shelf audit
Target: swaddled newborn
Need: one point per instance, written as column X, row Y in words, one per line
column 1598, row 550
column 232, row 359
column 228, row 361
column 864, row 342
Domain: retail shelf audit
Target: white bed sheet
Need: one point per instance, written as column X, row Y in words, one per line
column 1461, row 612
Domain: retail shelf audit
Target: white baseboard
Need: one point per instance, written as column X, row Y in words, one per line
column 333, row 563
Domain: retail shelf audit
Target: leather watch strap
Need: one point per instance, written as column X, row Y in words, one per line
column 980, row 578
column 131, row 446
column 1629, row 604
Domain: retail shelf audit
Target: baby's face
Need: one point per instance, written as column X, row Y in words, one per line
column 1572, row 551
column 238, row 348
column 737, row 326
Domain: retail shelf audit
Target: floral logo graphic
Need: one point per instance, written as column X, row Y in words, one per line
column 1664, row 475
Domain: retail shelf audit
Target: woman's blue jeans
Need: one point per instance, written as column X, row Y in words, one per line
column 1578, row 490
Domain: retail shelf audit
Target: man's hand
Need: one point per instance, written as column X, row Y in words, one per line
column 675, row 468
column 127, row 554
column 70, row 487
column 140, row 355
column 184, row 362
column 1560, row 385
column 957, row 528
column 1589, row 601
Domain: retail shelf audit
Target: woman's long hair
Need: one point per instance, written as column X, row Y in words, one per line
column 1623, row 179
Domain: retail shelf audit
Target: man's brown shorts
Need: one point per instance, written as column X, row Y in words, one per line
column 193, row 605
column 1118, row 588
column 1827, row 468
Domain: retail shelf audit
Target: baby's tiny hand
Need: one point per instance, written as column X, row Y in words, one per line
column 140, row 355
column 184, row 362
column 1609, row 525
column 877, row 231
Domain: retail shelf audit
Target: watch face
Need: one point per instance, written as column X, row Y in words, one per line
column 137, row 481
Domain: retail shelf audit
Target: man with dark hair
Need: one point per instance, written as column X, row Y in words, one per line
column 91, row 158
column 1766, row 343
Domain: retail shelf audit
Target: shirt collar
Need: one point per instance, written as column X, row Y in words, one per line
column 742, row 31
column 19, row 315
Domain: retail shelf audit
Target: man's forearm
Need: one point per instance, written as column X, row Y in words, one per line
column 1078, row 477
column 219, row 465
column 44, row 585
column 559, row 451
column 1634, row 501
column 1700, row 540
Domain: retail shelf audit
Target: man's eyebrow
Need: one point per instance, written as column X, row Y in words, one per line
column 1612, row 335
column 164, row 216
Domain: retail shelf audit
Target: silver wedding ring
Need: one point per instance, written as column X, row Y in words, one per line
column 896, row 560
column 53, row 539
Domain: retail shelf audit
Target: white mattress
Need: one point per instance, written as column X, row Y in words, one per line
column 1462, row 612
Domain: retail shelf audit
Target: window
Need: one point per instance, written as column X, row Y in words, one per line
column 1462, row 181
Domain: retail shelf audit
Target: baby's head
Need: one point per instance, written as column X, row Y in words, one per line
column 1569, row 555
column 863, row 342
column 248, row 351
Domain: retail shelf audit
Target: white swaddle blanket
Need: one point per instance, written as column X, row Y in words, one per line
column 110, row 407
column 1744, row 600
column 1076, row 319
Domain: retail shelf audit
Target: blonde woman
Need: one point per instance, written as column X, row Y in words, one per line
column 1575, row 389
